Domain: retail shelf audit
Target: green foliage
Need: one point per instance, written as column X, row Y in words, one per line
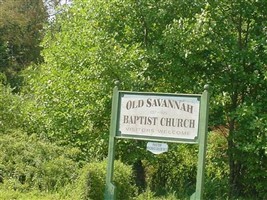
column 27, row 162
column 11, row 114
column 174, row 171
column 21, row 28
column 252, row 149
column 73, row 88
column 217, row 168
column 7, row 194
column 91, row 182
column 149, row 195
column 224, row 45
column 173, row 46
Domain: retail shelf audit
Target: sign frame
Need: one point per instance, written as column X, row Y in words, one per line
column 201, row 140
column 196, row 97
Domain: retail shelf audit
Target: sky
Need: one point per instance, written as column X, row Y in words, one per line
column 52, row 11
column 62, row 2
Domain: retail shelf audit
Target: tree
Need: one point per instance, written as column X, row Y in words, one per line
column 21, row 25
column 73, row 87
column 226, row 46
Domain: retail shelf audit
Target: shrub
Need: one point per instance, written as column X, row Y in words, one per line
column 8, row 194
column 26, row 162
column 174, row 171
column 91, row 183
column 11, row 114
column 217, row 169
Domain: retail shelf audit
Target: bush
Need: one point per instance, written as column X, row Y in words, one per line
column 8, row 194
column 149, row 195
column 174, row 171
column 217, row 169
column 26, row 162
column 91, row 183
column 11, row 114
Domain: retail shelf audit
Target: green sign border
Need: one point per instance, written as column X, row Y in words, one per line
column 201, row 141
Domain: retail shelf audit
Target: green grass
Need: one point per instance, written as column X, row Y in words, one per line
column 8, row 194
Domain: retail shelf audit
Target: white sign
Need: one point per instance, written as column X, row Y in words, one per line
column 156, row 147
column 150, row 115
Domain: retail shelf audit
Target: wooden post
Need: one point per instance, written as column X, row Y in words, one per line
column 203, row 129
column 110, row 188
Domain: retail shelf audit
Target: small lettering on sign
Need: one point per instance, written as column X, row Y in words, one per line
column 157, row 148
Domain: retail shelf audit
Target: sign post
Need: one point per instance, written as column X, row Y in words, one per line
column 181, row 118
column 203, row 130
column 110, row 187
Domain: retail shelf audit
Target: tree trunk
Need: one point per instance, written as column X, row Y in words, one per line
column 235, row 186
column 139, row 172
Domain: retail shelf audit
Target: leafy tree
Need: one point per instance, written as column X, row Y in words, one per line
column 226, row 46
column 21, row 30
column 73, row 87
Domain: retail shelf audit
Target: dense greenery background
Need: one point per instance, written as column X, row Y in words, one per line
column 57, row 75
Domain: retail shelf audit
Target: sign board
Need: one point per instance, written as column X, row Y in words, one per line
column 158, row 116
column 156, row 147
